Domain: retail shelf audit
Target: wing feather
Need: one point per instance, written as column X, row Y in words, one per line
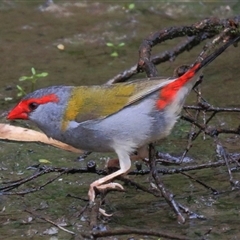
column 98, row 102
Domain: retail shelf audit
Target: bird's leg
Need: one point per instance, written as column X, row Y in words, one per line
column 125, row 164
column 140, row 154
column 99, row 184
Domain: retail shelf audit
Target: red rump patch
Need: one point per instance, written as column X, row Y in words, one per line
column 168, row 92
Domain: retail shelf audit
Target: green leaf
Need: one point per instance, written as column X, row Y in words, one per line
column 21, row 91
column 19, row 88
column 121, row 44
column 33, row 71
column 131, row 6
column 114, row 54
column 110, row 44
column 44, row 161
column 23, row 78
column 8, row 99
column 43, row 74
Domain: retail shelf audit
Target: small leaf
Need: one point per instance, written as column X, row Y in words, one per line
column 33, row 71
column 131, row 6
column 8, row 99
column 110, row 44
column 21, row 91
column 44, row 161
column 114, row 54
column 43, row 74
column 19, row 88
column 23, row 78
column 121, row 44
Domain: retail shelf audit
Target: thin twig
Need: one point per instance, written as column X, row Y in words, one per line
column 127, row 231
column 50, row 221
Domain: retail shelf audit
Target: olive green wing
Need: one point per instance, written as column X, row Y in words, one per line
column 96, row 102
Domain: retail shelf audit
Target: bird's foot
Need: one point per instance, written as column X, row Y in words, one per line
column 101, row 188
column 110, row 186
column 103, row 212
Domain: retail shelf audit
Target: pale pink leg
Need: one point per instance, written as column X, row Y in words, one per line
column 125, row 165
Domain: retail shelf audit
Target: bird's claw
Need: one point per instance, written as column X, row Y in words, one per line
column 103, row 212
column 91, row 194
column 110, row 186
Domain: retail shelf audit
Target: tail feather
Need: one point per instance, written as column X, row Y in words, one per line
column 216, row 53
column 168, row 92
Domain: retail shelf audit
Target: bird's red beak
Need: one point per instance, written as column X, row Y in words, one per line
column 17, row 113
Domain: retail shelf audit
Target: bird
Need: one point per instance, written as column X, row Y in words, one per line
column 120, row 118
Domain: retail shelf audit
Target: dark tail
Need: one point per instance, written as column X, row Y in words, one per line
column 215, row 54
column 169, row 91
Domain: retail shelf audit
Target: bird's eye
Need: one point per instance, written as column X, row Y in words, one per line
column 33, row 105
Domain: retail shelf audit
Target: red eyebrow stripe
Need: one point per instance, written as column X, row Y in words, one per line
column 168, row 92
column 45, row 99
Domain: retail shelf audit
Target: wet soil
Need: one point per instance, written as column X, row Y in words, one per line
column 30, row 35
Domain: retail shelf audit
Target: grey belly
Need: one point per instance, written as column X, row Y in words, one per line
column 136, row 125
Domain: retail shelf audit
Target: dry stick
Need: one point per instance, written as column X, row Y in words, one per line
column 191, row 168
column 137, row 185
column 201, row 127
column 32, row 189
column 166, row 158
column 190, row 213
column 192, row 130
column 14, row 133
column 94, row 211
column 201, row 183
column 50, row 221
column 213, row 131
column 224, row 155
column 79, row 198
column 204, row 52
column 212, row 26
column 186, row 45
column 44, row 170
column 127, row 231
column 203, row 55
column 168, row 196
column 198, row 32
column 198, row 167
column 186, row 210
column 16, row 184
column 157, row 59
column 212, row 108
column 83, row 210
column 146, row 65
column 79, row 214
column 192, row 136
column 149, row 67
